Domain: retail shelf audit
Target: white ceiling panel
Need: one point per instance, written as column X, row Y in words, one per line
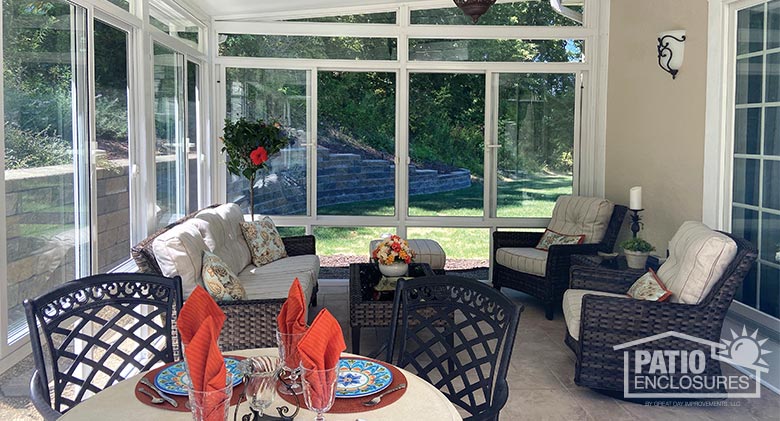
column 222, row 8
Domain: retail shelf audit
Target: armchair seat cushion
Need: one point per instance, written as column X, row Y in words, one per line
column 580, row 215
column 273, row 280
column 698, row 257
column 523, row 259
column 572, row 307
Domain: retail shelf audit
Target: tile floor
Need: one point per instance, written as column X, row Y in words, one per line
column 540, row 377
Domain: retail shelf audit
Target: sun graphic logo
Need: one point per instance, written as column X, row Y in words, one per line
column 745, row 350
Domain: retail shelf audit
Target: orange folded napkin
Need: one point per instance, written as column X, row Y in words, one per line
column 292, row 317
column 198, row 307
column 200, row 323
column 321, row 345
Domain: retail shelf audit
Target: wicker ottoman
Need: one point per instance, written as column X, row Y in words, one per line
column 426, row 251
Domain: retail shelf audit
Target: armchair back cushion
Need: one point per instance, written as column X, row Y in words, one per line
column 179, row 252
column 579, row 215
column 223, row 235
column 698, row 256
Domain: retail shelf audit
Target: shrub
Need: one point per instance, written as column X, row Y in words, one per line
column 29, row 149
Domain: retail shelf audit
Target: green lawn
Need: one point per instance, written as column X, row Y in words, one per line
column 529, row 196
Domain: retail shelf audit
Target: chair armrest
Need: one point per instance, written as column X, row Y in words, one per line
column 602, row 279
column 39, row 395
column 249, row 323
column 626, row 319
column 300, row 245
column 515, row 239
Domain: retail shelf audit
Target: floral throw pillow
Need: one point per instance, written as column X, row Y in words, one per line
column 550, row 238
column 264, row 241
column 649, row 287
column 219, row 280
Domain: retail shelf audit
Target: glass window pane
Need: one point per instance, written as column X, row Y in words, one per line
column 170, row 134
column 536, row 134
column 174, row 23
column 744, row 224
column 311, row 47
column 772, row 131
column 747, row 130
column 771, row 197
column 770, row 291
column 113, row 158
column 446, row 144
column 338, row 245
column 193, row 131
column 507, row 50
column 747, row 291
column 124, row 4
column 382, row 17
column 746, row 172
column 281, row 96
column 749, row 80
column 772, row 77
column 770, row 236
column 526, row 13
column 44, row 50
column 773, row 25
column 356, row 143
column 750, row 29
column 471, row 244
column 291, row 231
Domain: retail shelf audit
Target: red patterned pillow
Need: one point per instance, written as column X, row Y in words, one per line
column 649, row 287
column 550, row 238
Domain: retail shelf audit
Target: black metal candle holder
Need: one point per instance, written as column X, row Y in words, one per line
column 281, row 410
column 636, row 225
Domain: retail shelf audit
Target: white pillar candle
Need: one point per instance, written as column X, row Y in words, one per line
column 635, row 195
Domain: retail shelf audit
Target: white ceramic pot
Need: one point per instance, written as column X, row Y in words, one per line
column 394, row 270
column 636, row 259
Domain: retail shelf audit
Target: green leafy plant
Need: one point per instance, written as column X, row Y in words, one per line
column 638, row 245
column 248, row 145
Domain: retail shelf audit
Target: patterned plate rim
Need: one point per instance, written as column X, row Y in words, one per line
column 236, row 381
column 360, row 395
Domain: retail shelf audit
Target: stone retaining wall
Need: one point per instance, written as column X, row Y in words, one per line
column 341, row 178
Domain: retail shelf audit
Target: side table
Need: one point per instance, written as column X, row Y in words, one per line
column 364, row 308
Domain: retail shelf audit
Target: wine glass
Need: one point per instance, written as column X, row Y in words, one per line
column 261, row 379
column 319, row 389
column 291, row 359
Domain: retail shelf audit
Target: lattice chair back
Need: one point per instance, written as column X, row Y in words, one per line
column 457, row 334
column 90, row 333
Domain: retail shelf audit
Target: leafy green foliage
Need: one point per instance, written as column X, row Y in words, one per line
column 244, row 136
column 28, row 149
column 637, row 244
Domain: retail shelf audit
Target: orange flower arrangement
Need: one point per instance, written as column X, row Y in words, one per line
column 393, row 249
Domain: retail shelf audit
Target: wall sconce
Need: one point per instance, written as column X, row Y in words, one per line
column 671, row 46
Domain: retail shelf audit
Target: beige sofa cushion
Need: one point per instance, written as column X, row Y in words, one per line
column 523, row 259
column 698, row 256
column 273, row 280
column 179, row 251
column 222, row 235
column 579, row 215
column 425, row 251
column 572, row 307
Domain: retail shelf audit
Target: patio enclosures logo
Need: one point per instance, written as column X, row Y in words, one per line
column 676, row 365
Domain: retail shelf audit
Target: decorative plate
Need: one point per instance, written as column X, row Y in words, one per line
column 173, row 379
column 358, row 378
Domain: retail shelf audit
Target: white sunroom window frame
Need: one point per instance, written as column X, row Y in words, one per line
column 139, row 37
column 719, row 130
column 589, row 169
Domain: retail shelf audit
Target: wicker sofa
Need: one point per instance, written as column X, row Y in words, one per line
column 176, row 250
column 545, row 274
column 599, row 315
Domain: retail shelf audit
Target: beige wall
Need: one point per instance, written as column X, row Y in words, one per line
column 655, row 125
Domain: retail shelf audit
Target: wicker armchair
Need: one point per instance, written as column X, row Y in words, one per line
column 607, row 321
column 250, row 323
column 548, row 288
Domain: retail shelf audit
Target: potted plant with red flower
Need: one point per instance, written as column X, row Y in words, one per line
column 248, row 145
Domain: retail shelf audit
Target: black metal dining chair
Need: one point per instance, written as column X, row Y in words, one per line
column 90, row 333
column 457, row 334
